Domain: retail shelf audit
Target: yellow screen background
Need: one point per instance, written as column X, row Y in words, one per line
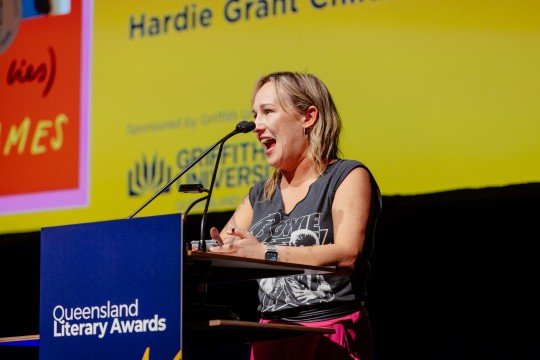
column 434, row 96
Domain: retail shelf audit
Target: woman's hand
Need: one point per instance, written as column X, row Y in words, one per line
column 237, row 242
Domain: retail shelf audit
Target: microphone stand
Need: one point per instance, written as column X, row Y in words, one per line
column 243, row 126
column 202, row 242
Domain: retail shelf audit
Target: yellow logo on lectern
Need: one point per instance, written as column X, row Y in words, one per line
column 146, row 355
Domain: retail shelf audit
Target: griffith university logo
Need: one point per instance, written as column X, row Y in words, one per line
column 147, row 176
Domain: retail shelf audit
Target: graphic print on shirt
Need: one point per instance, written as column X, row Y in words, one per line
column 291, row 291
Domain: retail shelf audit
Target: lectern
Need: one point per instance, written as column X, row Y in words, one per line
column 115, row 290
column 112, row 289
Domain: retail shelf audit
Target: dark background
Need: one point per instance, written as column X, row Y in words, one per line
column 455, row 276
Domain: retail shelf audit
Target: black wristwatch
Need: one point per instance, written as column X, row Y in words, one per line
column 271, row 253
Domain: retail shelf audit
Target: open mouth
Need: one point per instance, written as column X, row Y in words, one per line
column 268, row 143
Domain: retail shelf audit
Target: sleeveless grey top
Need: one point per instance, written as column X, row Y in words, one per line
column 311, row 297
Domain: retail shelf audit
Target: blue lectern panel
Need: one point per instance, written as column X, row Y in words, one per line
column 112, row 290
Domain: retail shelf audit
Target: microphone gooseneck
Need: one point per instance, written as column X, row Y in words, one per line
column 241, row 127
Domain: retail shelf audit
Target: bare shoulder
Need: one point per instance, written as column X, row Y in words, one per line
column 358, row 178
column 355, row 189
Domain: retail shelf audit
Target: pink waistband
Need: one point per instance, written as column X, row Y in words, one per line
column 352, row 317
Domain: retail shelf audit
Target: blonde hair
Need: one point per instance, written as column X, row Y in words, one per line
column 300, row 91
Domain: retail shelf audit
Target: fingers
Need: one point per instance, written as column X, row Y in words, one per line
column 241, row 233
column 214, row 234
column 223, row 244
column 226, row 245
column 230, row 244
column 225, row 248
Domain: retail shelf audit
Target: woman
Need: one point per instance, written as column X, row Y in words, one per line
column 317, row 209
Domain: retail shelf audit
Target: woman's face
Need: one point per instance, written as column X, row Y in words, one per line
column 279, row 130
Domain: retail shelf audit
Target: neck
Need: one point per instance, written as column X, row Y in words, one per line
column 301, row 173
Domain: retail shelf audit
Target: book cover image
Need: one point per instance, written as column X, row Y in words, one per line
column 43, row 131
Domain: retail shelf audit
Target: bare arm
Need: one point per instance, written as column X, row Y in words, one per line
column 350, row 213
column 240, row 219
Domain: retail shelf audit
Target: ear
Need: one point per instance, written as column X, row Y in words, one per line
column 311, row 117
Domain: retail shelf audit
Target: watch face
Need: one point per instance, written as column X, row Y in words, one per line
column 271, row 255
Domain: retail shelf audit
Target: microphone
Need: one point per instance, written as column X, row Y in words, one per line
column 245, row 126
column 241, row 127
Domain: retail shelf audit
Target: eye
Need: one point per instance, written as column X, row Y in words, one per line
column 267, row 111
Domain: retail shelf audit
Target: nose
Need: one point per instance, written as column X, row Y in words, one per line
column 259, row 127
